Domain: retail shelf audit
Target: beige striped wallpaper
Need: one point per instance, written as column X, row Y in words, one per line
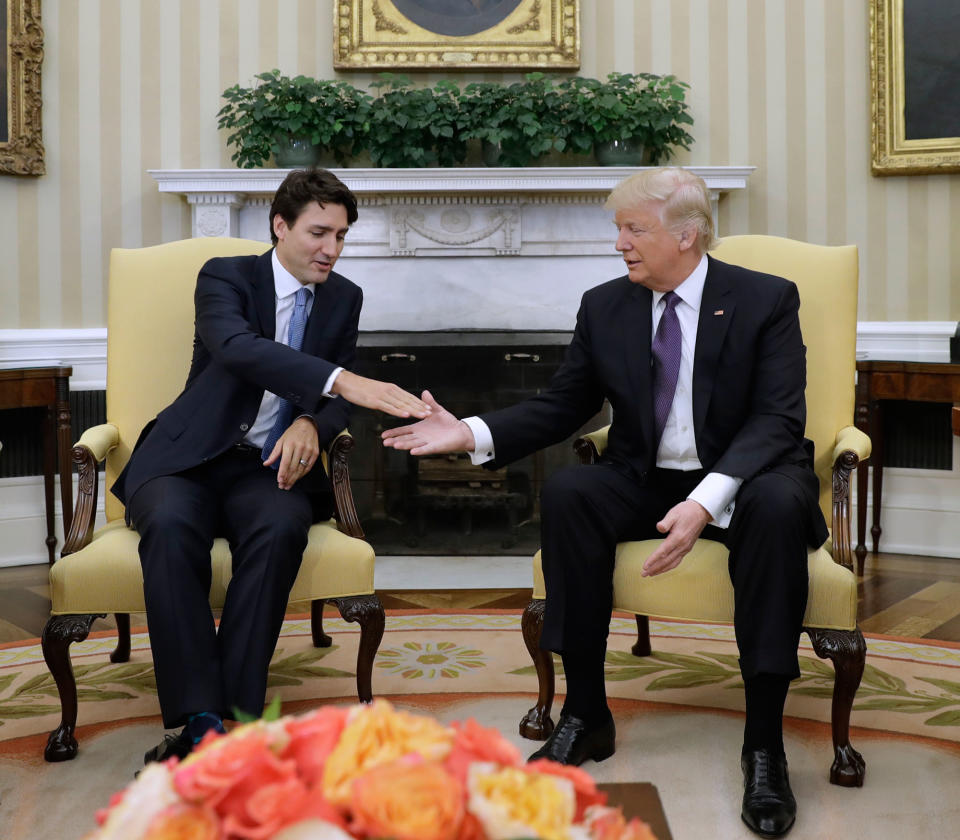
column 131, row 85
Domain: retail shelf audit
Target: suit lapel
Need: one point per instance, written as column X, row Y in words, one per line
column 716, row 313
column 635, row 327
column 265, row 294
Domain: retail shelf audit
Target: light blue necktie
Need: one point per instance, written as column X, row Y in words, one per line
column 298, row 325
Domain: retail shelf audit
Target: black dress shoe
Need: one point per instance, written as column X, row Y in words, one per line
column 769, row 808
column 179, row 745
column 573, row 742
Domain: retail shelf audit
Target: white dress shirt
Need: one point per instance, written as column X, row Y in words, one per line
column 678, row 445
column 285, row 287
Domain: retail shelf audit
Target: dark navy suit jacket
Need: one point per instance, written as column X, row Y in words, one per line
column 235, row 359
column 749, row 376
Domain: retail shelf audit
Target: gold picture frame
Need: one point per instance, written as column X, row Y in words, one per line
column 21, row 139
column 894, row 113
column 524, row 35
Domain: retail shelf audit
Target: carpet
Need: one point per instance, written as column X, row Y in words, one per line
column 678, row 712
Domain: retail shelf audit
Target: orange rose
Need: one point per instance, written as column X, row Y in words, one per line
column 376, row 735
column 584, row 786
column 408, row 800
column 474, row 742
column 312, row 739
column 209, row 774
column 184, row 822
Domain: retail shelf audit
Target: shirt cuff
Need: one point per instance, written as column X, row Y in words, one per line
column 330, row 380
column 717, row 493
column 483, row 441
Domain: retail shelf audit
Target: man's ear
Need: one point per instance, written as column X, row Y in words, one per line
column 688, row 236
column 279, row 226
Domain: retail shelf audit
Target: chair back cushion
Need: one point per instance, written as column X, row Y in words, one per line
column 150, row 322
column 827, row 279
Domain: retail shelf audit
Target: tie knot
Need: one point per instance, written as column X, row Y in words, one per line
column 671, row 299
column 303, row 294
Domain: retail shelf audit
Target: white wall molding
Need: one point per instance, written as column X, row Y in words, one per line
column 915, row 341
column 86, row 349
column 83, row 349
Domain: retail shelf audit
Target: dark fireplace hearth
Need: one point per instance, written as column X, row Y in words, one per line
column 444, row 505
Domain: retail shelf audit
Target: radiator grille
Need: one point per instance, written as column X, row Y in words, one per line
column 21, row 431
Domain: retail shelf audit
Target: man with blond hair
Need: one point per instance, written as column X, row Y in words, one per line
column 704, row 367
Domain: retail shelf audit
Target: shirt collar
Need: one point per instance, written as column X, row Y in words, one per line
column 690, row 291
column 284, row 283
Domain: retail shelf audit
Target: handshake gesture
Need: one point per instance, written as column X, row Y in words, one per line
column 438, row 433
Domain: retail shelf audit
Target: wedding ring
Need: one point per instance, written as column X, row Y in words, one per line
column 304, row 463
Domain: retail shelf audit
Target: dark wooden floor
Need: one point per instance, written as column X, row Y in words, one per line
column 900, row 595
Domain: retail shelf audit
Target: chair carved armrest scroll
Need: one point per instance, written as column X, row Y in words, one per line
column 852, row 447
column 88, row 453
column 589, row 447
column 345, row 510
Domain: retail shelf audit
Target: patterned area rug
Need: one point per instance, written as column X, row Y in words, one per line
column 678, row 716
column 908, row 687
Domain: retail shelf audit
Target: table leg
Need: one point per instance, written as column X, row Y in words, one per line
column 49, row 465
column 876, row 436
column 862, row 421
column 64, row 451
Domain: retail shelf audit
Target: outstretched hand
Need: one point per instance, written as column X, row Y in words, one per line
column 382, row 396
column 438, row 434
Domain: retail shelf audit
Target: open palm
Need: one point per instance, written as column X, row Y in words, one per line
column 438, row 434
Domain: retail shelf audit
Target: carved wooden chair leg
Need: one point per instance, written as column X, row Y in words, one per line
column 642, row 646
column 58, row 634
column 121, row 653
column 848, row 651
column 537, row 724
column 320, row 639
column 367, row 611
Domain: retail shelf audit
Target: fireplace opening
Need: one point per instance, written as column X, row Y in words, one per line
column 443, row 505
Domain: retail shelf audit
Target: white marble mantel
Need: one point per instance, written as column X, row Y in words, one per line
column 452, row 249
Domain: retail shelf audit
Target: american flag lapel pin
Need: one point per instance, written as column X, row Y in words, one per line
column 718, row 312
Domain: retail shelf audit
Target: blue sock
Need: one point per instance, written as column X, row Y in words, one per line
column 201, row 723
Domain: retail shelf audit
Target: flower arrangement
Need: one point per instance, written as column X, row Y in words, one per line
column 361, row 772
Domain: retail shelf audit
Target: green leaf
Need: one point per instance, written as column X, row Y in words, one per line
column 951, row 718
column 947, row 685
column 874, row 677
column 685, row 679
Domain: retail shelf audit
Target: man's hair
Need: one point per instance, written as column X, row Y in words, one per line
column 301, row 187
column 683, row 198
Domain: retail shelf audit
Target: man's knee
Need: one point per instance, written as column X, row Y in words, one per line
column 774, row 499
column 565, row 490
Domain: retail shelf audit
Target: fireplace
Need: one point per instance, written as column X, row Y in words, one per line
column 444, row 505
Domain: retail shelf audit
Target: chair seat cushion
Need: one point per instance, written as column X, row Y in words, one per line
column 699, row 589
column 105, row 576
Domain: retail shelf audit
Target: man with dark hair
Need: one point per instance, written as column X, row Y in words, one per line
column 234, row 455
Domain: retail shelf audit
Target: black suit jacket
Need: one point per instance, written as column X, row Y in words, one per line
column 236, row 359
column 749, row 376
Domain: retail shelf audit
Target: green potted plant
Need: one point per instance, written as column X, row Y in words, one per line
column 630, row 119
column 516, row 123
column 411, row 126
column 293, row 119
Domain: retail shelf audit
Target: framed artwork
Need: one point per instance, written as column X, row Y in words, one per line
column 21, row 141
column 915, row 76
column 402, row 35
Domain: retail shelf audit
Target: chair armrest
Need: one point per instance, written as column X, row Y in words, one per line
column 345, row 510
column 89, row 451
column 852, row 447
column 590, row 447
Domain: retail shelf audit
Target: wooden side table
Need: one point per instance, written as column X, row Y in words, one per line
column 47, row 387
column 878, row 381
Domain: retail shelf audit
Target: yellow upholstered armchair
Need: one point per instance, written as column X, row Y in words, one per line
column 699, row 589
column 149, row 344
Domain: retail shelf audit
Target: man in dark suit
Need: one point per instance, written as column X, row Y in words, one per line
column 704, row 367
column 234, row 455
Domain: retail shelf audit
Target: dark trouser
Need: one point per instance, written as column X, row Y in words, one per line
column 199, row 668
column 587, row 510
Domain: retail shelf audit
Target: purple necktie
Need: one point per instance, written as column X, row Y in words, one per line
column 666, row 361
